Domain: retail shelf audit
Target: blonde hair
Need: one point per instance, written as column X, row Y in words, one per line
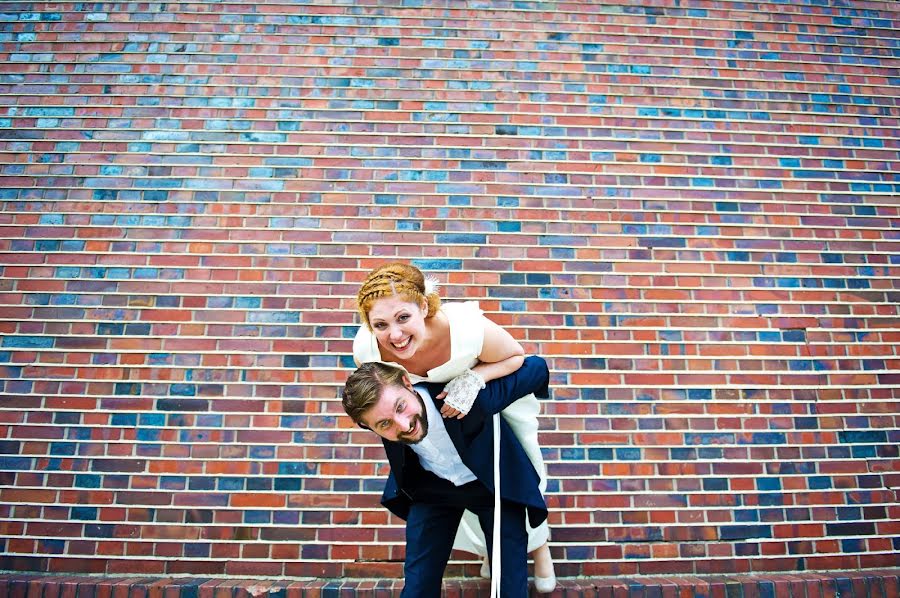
column 403, row 280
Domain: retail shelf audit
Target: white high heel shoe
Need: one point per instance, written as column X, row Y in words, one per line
column 545, row 585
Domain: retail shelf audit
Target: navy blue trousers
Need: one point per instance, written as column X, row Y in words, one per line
column 436, row 510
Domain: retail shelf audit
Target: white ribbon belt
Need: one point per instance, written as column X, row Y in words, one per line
column 495, row 550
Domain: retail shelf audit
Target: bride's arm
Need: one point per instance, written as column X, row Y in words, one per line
column 500, row 355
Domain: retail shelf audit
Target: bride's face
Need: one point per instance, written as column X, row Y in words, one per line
column 398, row 325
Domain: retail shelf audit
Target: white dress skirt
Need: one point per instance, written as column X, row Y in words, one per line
column 466, row 341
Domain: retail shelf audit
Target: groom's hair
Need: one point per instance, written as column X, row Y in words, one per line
column 364, row 387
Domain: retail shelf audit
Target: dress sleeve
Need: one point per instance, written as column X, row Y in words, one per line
column 466, row 329
column 365, row 347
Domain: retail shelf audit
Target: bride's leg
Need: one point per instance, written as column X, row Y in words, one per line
column 543, row 561
column 544, row 575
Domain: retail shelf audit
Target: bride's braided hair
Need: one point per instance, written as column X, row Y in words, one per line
column 399, row 279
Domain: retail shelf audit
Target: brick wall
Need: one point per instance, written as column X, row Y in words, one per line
column 690, row 208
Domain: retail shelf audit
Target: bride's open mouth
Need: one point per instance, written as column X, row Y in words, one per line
column 403, row 345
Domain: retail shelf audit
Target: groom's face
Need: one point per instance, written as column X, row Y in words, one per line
column 399, row 415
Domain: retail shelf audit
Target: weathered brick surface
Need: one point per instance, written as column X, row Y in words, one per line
column 690, row 210
column 873, row 583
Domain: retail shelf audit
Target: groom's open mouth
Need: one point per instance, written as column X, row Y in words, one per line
column 415, row 432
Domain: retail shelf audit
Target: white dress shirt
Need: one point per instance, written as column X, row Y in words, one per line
column 436, row 451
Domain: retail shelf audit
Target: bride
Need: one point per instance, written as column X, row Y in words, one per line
column 406, row 324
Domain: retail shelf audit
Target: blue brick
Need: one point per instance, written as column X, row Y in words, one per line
column 483, row 165
column 46, row 245
column 71, row 245
column 259, row 137
column 819, row 483
column 52, row 219
column 438, row 264
column 105, row 530
column 288, row 485
column 839, row 452
column 152, row 419
column 600, row 454
column 281, row 317
column 864, row 452
column 127, row 420
column 744, row 532
column 148, row 435
column 197, row 483
column 768, row 484
column 699, row 394
column 15, row 463
column 706, row 438
column 230, row 483
column 862, row 436
column 127, row 388
column 248, row 302
column 84, row 513
column 110, row 329
column 853, row 545
column 513, row 306
column 715, row 484
column 766, row 438
column 296, row 361
column 628, row 454
column 29, row 342
column 746, row 515
column 193, row 550
column 257, row 516
column 460, row 238
column 62, row 448
column 105, row 194
column 662, row 242
column 183, row 390
column 297, row 468
column 54, row 111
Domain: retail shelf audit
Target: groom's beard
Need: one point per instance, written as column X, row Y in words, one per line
column 419, row 426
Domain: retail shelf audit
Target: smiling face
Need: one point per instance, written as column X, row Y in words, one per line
column 398, row 325
column 399, row 415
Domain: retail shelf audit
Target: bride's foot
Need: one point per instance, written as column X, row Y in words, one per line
column 544, row 575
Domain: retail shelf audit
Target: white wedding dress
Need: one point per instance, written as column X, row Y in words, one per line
column 466, row 340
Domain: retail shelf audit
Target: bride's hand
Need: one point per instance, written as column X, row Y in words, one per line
column 460, row 393
column 447, row 411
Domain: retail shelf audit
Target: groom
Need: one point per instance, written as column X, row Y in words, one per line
column 439, row 468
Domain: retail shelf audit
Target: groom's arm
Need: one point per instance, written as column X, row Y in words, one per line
column 532, row 377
